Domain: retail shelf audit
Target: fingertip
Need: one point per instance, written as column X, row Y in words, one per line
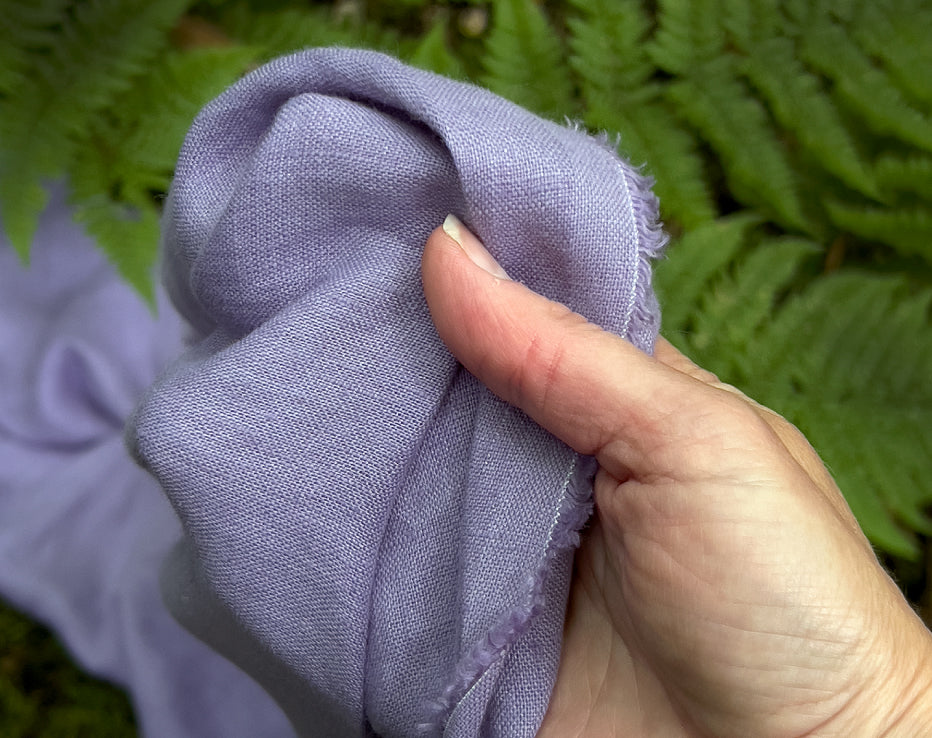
column 466, row 303
column 437, row 249
column 449, row 280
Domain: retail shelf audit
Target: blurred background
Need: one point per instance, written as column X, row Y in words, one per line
column 790, row 142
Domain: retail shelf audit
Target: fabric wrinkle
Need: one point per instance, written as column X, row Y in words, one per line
column 391, row 535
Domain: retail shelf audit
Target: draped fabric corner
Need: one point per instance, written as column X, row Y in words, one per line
column 83, row 530
column 384, row 544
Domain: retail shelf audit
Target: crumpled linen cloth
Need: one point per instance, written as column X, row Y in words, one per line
column 83, row 530
column 370, row 532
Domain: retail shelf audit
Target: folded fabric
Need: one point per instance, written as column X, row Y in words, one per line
column 83, row 530
column 382, row 542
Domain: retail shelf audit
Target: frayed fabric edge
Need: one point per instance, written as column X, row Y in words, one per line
column 643, row 325
column 575, row 510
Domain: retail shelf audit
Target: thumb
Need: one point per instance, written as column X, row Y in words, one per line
column 590, row 388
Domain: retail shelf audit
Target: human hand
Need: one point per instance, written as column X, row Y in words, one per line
column 724, row 588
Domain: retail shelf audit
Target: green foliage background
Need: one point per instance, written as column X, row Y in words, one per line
column 790, row 140
column 43, row 695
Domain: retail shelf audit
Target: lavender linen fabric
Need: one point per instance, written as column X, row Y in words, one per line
column 377, row 538
column 83, row 530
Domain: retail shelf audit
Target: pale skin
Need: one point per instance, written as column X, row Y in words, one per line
column 723, row 588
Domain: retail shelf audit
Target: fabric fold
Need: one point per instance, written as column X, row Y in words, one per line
column 388, row 538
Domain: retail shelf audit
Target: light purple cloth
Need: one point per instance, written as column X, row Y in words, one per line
column 381, row 541
column 83, row 530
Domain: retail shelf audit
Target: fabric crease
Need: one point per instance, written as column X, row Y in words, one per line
column 391, row 539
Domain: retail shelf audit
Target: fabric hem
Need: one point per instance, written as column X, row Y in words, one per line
column 574, row 511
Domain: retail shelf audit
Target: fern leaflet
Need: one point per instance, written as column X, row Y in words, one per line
column 524, row 59
column 801, row 106
column 906, row 229
column 140, row 146
column 736, row 125
column 651, row 135
column 912, row 174
column 864, row 86
column 747, row 23
column 847, row 359
column 128, row 235
column 607, row 44
column 98, row 53
column 692, row 261
column 149, row 141
column 688, row 33
column 856, row 381
column 433, row 53
column 26, row 28
column 735, row 306
column 286, row 30
column 899, row 37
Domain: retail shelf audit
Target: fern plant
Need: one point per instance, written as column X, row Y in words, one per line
column 100, row 46
column 520, row 33
column 615, row 79
column 790, row 140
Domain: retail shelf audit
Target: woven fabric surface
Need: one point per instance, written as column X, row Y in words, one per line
column 377, row 538
column 83, row 530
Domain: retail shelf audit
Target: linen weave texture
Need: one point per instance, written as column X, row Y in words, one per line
column 380, row 541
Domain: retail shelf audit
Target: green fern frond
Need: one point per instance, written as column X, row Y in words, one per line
column 843, row 10
column 32, row 148
column 906, row 229
column 608, row 57
column 693, row 261
column 833, row 333
column 749, row 23
column 688, row 33
column 799, row 13
column 434, row 54
column 864, row 87
column 285, row 30
column 848, row 361
column 854, row 441
column 898, row 34
column 613, row 72
column 912, row 174
column 735, row 306
column 128, row 235
column 26, row 28
column 733, row 121
column 651, row 135
column 803, row 14
column 276, row 32
column 108, row 43
column 22, row 197
column 101, row 48
column 148, row 139
column 524, row 59
column 129, row 155
column 800, row 105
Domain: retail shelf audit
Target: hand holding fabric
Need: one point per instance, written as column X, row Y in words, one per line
column 724, row 587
